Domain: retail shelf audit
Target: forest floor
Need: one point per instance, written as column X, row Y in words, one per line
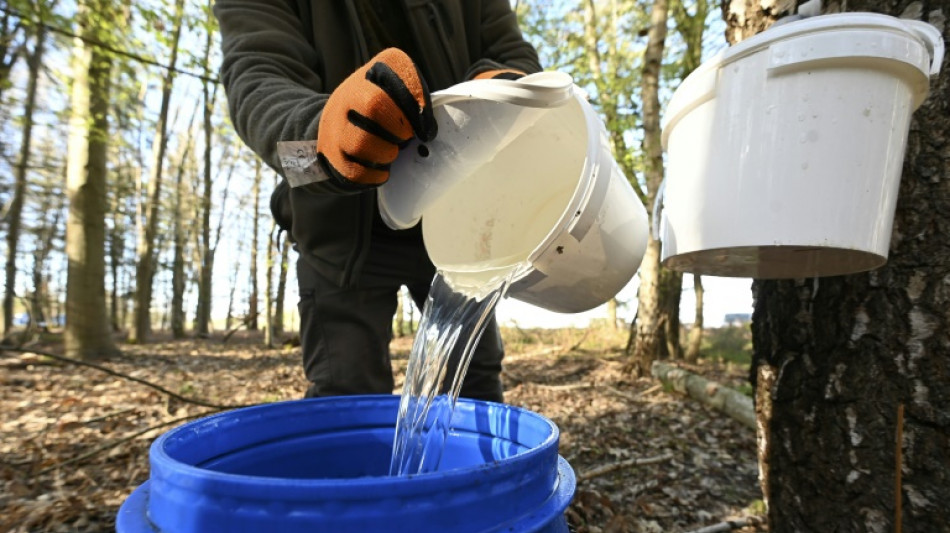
column 74, row 439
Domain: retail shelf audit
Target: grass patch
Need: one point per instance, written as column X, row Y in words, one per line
column 728, row 344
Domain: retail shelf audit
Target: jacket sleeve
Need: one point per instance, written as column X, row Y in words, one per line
column 269, row 71
column 503, row 45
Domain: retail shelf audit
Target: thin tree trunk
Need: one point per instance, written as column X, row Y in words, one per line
column 412, row 316
column 648, row 331
column 87, row 334
column 269, row 288
column 696, row 333
column 252, row 304
column 228, row 320
column 145, row 267
column 15, row 214
column 671, row 289
column 40, row 298
column 281, row 286
column 400, row 323
column 612, row 321
column 178, row 259
column 203, row 312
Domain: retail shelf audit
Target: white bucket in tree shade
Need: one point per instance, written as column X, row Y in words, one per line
column 785, row 151
column 521, row 172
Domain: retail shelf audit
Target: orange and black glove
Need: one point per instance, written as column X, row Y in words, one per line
column 499, row 74
column 368, row 117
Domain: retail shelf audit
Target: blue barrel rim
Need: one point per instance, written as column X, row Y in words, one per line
column 162, row 461
column 132, row 512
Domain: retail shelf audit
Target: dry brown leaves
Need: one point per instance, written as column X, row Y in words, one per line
column 74, row 441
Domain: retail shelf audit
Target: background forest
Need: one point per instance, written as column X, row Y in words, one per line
column 146, row 284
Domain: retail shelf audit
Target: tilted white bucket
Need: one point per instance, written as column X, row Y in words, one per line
column 521, row 173
column 785, row 151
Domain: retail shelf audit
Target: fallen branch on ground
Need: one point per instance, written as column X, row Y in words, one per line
column 108, row 446
column 116, row 373
column 729, row 525
column 612, row 467
column 729, row 401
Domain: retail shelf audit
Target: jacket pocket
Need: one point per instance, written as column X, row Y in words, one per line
column 280, row 207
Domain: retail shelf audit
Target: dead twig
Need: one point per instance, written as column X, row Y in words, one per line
column 613, row 467
column 243, row 323
column 116, row 373
column 578, row 343
column 638, row 397
column 108, row 446
column 729, row 525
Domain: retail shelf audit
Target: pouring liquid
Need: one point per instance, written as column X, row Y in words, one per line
column 456, row 312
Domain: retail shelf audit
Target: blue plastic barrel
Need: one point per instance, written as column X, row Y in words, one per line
column 322, row 464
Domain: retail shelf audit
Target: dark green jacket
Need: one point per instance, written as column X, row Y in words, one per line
column 282, row 58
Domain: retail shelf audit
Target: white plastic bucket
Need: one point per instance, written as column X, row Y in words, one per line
column 785, row 151
column 521, row 173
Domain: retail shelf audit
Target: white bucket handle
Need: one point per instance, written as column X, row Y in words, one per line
column 542, row 89
column 932, row 38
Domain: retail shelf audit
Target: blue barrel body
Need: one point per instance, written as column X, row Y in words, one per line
column 322, row 464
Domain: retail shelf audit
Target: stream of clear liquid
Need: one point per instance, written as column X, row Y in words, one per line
column 455, row 315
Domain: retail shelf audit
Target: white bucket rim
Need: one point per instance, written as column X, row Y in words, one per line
column 574, row 211
column 546, row 90
column 701, row 83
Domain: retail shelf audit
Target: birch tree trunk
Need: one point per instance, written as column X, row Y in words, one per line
column 837, row 360
column 695, row 343
column 647, row 340
column 15, row 213
column 281, row 285
column 87, row 334
column 252, row 304
column 146, row 261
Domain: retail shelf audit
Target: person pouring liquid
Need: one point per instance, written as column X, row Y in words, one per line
column 354, row 76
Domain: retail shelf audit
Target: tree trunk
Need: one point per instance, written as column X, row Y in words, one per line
column 269, row 287
column 648, row 340
column 836, row 359
column 178, row 258
column 52, row 203
column 229, row 317
column 203, row 311
column 612, row 321
column 696, row 333
column 252, row 311
column 87, row 334
column 145, row 266
column 116, row 252
column 671, row 289
column 15, row 213
column 281, row 285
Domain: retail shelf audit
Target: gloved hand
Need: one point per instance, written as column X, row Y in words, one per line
column 369, row 116
column 499, row 74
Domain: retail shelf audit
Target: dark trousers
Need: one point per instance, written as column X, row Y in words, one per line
column 345, row 331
